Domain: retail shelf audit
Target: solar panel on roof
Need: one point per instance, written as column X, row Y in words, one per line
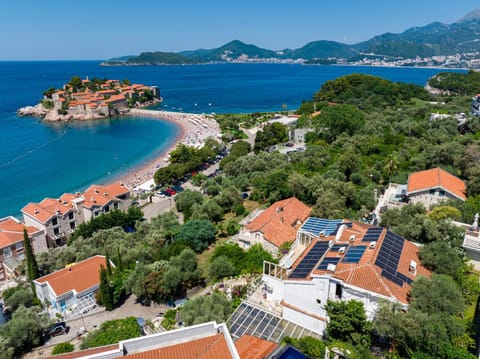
column 389, row 256
column 372, row 234
column 311, row 259
column 336, row 247
column 354, row 254
column 318, row 225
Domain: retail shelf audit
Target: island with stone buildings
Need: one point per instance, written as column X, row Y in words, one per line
column 84, row 99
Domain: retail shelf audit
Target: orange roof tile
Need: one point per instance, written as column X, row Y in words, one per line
column 250, row 347
column 11, row 231
column 78, row 277
column 47, row 208
column 279, row 222
column 436, row 178
column 212, row 347
column 98, row 195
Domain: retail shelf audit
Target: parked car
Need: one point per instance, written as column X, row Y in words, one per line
column 166, row 193
column 160, row 194
column 178, row 188
column 171, row 191
column 58, row 329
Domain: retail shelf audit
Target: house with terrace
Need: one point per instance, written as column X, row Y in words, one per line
column 340, row 260
column 429, row 187
column 59, row 217
column 275, row 226
column 12, row 251
column 72, row 287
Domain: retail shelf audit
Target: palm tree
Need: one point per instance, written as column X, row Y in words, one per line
column 391, row 166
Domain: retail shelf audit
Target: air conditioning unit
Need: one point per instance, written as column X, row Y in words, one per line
column 342, row 250
column 352, row 238
column 412, row 268
column 330, row 243
column 331, row 267
column 372, row 244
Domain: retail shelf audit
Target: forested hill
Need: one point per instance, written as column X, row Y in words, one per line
column 463, row 84
column 435, row 39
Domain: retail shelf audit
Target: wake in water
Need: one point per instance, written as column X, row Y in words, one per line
column 30, row 152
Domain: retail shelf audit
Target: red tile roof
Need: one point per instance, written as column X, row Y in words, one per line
column 365, row 273
column 436, row 178
column 11, row 231
column 86, row 352
column 280, row 221
column 98, row 195
column 47, row 208
column 250, row 347
column 212, row 347
column 79, row 276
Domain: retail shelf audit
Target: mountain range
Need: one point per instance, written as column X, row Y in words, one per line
column 435, row 39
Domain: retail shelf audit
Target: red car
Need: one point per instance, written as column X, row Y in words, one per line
column 171, row 191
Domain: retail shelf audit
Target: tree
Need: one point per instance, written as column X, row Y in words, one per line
column 187, row 264
column 185, row 200
column 135, row 282
column 271, row 134
column 313, row 348
column 105, row 294
column 63, row 348
column 206, row 308
column 32, row 266
column 24, row 331
column 438, row 294
column 19, row 296
column 221, row 267
column 112, row 331
column 198, row 234
column 439, row 257
column 348, row 322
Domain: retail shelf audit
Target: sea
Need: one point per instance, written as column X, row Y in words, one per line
column 39, row 160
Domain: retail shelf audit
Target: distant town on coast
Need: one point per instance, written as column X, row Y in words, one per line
column 453, row 45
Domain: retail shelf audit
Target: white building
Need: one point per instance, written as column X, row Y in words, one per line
column 340, row 260
column 65, row 289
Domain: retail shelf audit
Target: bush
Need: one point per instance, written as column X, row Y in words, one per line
column 111, row 332
column 63, row 348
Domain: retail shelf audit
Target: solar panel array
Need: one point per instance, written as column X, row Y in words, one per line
column 389, row 256
column 316, row 226
column 354, row 254
column 304, row 268
column 336, row 247
column 326, row 261
column 252, row 320
column 372, row 234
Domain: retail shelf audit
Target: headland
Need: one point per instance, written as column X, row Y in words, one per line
column 84, row 99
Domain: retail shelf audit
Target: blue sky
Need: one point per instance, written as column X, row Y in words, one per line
column 100, row 29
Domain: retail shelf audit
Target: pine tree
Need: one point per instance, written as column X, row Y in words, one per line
column 32, row 266
column 104, row 296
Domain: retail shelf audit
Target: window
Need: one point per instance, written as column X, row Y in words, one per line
column 96, row 213
column 7, row 252
column 72, row 225
column 432, row 192
column 115, row 205
column 56, row 231
column 107, row 209
column 54, row 221
column 70, row 215
column 441, row 193
column 18, row 246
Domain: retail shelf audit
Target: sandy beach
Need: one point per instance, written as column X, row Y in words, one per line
column 195, row 129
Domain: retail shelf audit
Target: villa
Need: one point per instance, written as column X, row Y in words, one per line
column 340, row 260
column 12, row 251
column 59, row 217
column 428, row 187
column 71, row 287
column 275, row 226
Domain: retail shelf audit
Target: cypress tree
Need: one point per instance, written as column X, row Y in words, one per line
column 105, row 296
column 32, row 266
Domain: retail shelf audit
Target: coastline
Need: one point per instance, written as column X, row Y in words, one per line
column 194, row 130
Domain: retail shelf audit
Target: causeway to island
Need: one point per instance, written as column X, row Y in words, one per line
column 84, row 99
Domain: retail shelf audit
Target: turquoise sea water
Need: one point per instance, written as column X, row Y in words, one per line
column 39, row 159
